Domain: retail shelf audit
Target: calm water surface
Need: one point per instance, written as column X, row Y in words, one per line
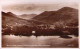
column 39, row 42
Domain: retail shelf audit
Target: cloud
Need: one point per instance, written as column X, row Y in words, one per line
column 8, row 2
column 37, row 6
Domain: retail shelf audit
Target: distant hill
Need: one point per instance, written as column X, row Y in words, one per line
column 63, row 15
column 27, row 16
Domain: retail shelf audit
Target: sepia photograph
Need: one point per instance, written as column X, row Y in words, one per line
column 40, row 24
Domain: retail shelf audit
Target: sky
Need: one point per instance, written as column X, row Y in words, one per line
column 36, row 6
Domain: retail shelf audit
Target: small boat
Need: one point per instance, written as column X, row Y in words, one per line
column 65, row 36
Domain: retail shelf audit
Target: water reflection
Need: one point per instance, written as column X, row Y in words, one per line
column 53, row 41
column 33, row 37
column 12, row 35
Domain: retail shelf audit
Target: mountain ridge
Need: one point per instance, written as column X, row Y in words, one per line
column 63, row 14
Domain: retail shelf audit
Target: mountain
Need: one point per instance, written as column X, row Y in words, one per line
column 27, row 16
column 9, row 19
column 63, row 15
